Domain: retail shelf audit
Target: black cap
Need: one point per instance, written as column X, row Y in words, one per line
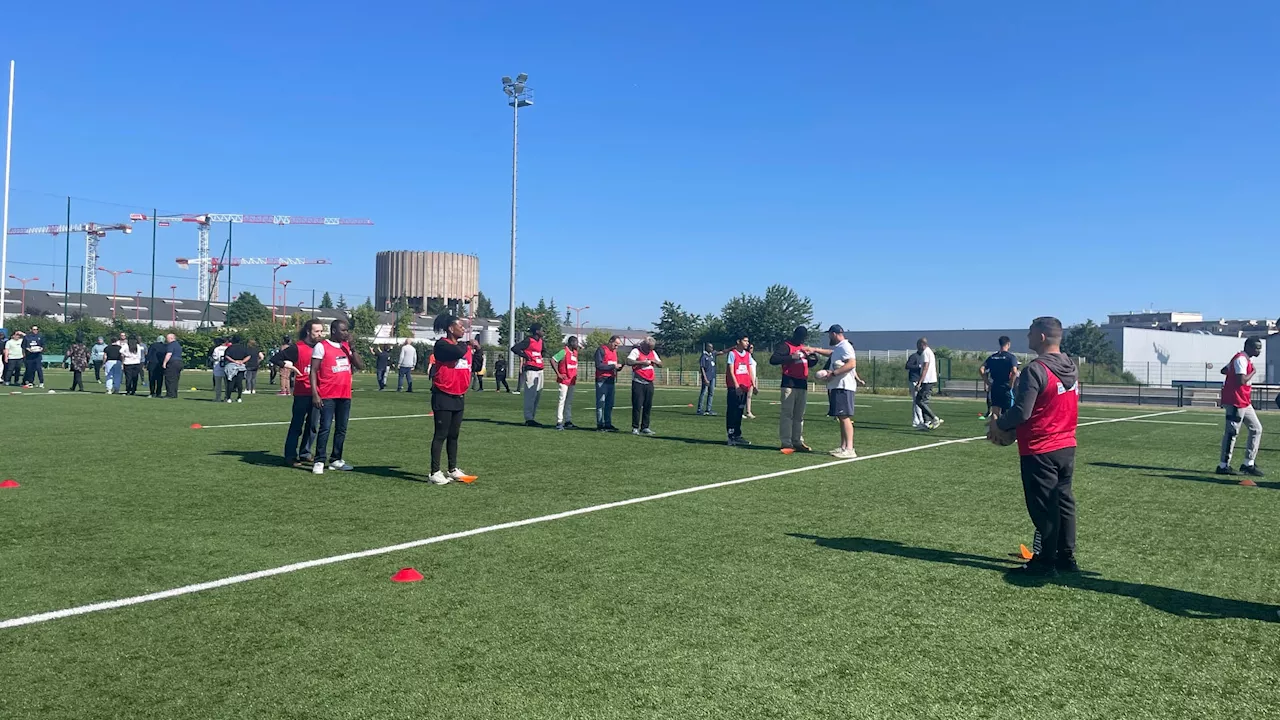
column 836, row 329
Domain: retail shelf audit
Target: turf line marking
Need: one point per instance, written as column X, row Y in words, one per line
column 319, row 562
column 1162, row 422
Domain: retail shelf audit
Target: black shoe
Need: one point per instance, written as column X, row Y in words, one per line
column 532, row 423
column 1035, row 568
column 570, row 426
column 1225, row 471
column 1066, row 564
column 1252, row 470
column 610, row 428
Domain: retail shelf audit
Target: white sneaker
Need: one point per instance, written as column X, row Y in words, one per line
column 457, row 474
column 317, row 469
column 842, row 454
column 239, row 400
column 340, row 465
column 635, row 431
column 937, row 423
column 439, row 478
column 836, row 452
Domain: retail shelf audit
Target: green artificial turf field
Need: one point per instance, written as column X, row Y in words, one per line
column 868, row 589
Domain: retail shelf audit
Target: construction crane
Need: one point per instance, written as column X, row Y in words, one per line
column 204, row 220
column 93, row 234
column 215, row 266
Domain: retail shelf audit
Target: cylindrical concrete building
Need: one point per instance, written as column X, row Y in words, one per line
column 419, row 276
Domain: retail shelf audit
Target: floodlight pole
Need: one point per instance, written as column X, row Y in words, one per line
column 519, row 96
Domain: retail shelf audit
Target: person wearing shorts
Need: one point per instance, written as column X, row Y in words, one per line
column 999, row 372
column 841, row 375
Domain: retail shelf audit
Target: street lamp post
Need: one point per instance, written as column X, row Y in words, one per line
column 137, row 308
column 115, row 275
column 273, row 289
column 24, row 290
column 284, row 301
column 173, row 306
column 577, row 320
column 518, row 95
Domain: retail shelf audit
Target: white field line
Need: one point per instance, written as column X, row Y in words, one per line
column 395, row 417
column 1160, row 422
column 319, row 562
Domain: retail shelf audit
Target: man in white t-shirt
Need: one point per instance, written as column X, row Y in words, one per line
column 923, row 390
column 842, row 386
column 407, row 361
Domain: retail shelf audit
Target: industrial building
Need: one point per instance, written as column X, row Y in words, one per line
column 1178, row 321
column 420, row 277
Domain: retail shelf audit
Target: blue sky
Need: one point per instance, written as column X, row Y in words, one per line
column 905, row 164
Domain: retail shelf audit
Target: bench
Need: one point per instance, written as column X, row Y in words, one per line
column 53, row 360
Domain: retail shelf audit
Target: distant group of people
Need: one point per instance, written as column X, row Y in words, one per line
column 118, row 365
column 23, row 356
column 235, row 368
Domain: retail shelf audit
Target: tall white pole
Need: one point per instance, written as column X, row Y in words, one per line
column 4, row 229
column 515, row 147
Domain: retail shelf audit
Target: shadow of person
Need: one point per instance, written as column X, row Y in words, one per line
column 261, row 458
column 1181, row 603
column 1123, row 466
column 648, row 438
column 1217, row 479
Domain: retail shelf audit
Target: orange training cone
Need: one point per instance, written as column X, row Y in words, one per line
column 196, row 426
column 9, row 484
column 1248, row 483
column 407, row 575
column 468, row 479
column 788, row 451
column 1024, row 553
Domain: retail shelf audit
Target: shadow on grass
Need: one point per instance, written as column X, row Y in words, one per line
column 659, row 436
column 1124, row 466
column 1218, row 480
column 1181, row 603
column 262, row 458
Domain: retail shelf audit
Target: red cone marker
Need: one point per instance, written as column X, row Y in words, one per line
column 9, row 484
column 196, row 426
column 406, row 575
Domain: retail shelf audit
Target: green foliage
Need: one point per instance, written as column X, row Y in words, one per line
column 364, row 319
column 404, row 319
column 526, row 316
column 246, row 308
column 342, row 301
column 595, row 339
column 677, row 331
column 484, row 308
column 714, row 331
column 326, row 302
column 1087, row 340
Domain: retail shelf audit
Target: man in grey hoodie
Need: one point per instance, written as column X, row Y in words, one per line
column 1043, row 423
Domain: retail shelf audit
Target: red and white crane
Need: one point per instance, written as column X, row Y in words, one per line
column 216, row 264
column 204, row 220
column 93, row 234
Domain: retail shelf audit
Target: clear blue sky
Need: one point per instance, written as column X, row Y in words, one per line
column 905, row 164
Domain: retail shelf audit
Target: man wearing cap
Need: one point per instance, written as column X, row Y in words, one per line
column 795, row 360
column 842, row 386
column 530, row 351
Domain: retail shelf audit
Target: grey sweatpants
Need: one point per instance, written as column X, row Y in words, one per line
column 532, row 393
column 1235, row 417
column 791, row 419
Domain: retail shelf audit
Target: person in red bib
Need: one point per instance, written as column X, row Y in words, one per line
column 331, row 365
column 566, row 364
column 795, row 358
column 1043, row 422
column 642, row 359
column 606, row 383
column 739, row 380
column 1237, row 401
column 302, row 425
column 448, row 393
column 530, row 351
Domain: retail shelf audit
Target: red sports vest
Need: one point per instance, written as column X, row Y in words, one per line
column 533, row 359
column 610, row 356
column 739, row 369
column 645, row 373
column 302, row 376
column 791, row 368
column 453, row 378
column 334, row 376
column 1052, row 425
column 568, row 367
column 1235, row 393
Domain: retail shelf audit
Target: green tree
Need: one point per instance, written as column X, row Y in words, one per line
column 742, row 315
column 594, row 340
column 782, row 310
column 677, row 331
column 326, row 302
column 246, row 308
column 484, row 308
column 526, row 316
column 404, row 319
column 1089, row 341
column 342, row 302
column 364, row 319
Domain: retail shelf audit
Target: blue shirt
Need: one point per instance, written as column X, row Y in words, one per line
column 708, row 363
column 1000, row 367
column 174, row 347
